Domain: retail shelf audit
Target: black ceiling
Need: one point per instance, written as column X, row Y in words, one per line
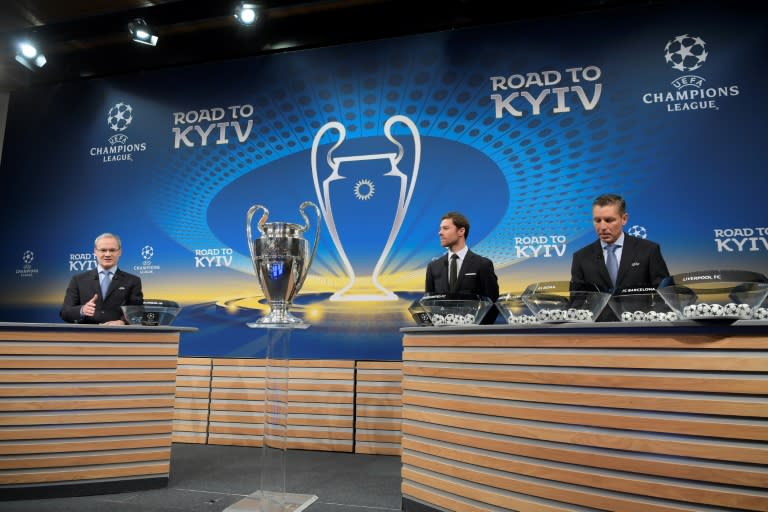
column 89, row 38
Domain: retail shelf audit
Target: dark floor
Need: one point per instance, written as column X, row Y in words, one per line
column 211, row 478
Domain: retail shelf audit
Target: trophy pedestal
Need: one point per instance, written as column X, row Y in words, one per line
column 261, row 501
column 279, row 318
column 262, row 324
column 271, row 497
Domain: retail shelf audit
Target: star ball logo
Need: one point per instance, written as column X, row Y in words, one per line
column 120, row 116
column 685, row 54
column 638, row 232
column 26, row 270
column 118, row 149
column 147, row 253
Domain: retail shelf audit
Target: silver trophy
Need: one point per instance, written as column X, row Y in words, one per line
column 281, row 259
column 370, row 186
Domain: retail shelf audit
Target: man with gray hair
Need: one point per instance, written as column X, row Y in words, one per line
column 95, row 296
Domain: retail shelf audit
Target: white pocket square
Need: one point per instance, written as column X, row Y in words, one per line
column 635, row 263
column 121, row 288
column 471, row 274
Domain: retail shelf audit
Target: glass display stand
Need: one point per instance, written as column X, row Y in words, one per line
column 272, row 496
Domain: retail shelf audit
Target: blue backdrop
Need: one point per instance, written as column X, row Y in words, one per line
column 519, row 126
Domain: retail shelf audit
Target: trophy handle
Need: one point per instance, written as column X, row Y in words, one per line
column 249, row 216
column 400, row 151
column 342, row 132
column 317, row 236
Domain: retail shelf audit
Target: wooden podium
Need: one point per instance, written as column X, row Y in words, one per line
column 85, row 409
column 640, row 418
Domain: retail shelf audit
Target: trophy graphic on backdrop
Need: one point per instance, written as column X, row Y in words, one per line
column 281, row 259
column 370, row 198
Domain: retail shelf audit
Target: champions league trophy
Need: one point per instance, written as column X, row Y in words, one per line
column 281, row 259
column 370, row 198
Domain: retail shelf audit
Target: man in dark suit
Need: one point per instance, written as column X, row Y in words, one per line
column 473, row 273
column 636, row 263
column 95, row 296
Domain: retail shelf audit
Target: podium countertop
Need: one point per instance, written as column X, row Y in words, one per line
column 684, row 326
column 67, row 326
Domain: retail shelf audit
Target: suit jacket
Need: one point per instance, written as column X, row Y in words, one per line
column 641, row 265
column 124, row 290
column 475, row 276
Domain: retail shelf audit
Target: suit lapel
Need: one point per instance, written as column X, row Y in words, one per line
column 443, row 264
column 599, row 256
column 93, row 278
column 115, row 277
column 626, row 255
column 465, row 265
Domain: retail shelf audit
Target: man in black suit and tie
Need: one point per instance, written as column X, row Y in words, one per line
column 616, row 261
column 467, row 271
column 95, row 296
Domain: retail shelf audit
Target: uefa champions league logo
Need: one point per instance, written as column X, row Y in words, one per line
column 28, row 257
column 638, row 232
column 146, row 267
column 146, row 253
column 365, row 186
column 686, row 53
column 27, row 271
column 120, row 116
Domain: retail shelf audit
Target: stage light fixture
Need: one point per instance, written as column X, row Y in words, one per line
column 142, row 33
column 29, row 56
column 247, row 13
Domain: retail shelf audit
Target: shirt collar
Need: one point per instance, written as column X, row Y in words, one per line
column 619, row 241
column 101, row 269
column 462, row 253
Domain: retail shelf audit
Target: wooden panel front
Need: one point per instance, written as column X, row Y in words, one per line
column 84, row 405
column 311, row 403
column 237, row 402
column 378, row 406
column 193, row 400
column 533, row 421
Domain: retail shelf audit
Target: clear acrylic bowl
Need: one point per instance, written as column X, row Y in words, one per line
column 152, row 312
column 761, row 312
column 715, row 295
column 641, row 305
column 455, row 308
column 563, row 301
column 514, row 310
column 419, row 314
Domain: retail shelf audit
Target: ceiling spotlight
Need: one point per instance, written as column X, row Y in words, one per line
column 29, row 56
column 142, row 33
column 246, row 13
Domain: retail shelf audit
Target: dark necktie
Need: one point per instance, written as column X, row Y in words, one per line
column 453, row 275
column 105, row 283
column 611, row 262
